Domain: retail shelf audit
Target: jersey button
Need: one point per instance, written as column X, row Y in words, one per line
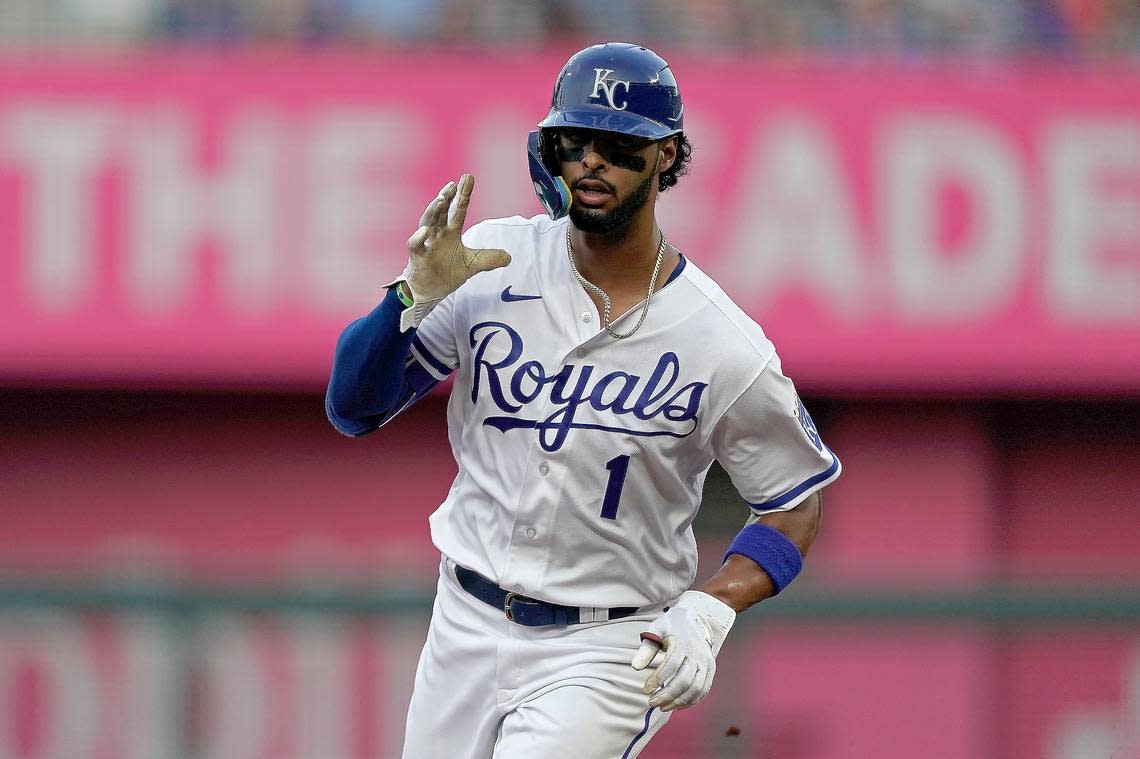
column 531, row 532
column 544, row 469
column 587, row 317
column 580, row 353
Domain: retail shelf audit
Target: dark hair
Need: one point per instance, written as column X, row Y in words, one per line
column 680, row 166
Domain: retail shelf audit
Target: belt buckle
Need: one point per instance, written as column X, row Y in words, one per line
column 507, row 605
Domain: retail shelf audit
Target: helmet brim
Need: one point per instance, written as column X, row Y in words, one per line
column 608, row 120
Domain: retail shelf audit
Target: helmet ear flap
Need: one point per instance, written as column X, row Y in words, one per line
column 548, row 185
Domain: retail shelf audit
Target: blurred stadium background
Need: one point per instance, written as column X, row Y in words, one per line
column 933, row 206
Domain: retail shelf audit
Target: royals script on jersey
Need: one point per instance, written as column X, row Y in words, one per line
column 582, row 458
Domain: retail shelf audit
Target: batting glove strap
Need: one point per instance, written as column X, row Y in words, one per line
column 421, row 306
column 690, row 635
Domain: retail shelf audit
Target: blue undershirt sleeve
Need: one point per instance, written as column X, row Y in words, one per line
column 371, row 380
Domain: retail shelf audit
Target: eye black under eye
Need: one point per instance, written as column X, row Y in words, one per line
column 627, row 161
column 568, row 151
column 620, row 150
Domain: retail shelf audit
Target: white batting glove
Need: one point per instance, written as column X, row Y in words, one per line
column 439, row 261
column 691, row 634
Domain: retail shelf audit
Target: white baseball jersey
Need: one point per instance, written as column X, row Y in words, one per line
column 582, row 457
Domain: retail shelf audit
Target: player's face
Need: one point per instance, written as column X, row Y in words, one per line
column 611, row 176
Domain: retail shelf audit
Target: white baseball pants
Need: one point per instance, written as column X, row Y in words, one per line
column 487, row 688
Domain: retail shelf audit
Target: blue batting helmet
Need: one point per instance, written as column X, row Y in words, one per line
column 614, row 87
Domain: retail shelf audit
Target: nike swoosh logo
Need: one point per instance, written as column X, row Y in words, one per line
column 508, row 297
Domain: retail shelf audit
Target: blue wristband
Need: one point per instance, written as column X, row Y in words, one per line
column 771, row 549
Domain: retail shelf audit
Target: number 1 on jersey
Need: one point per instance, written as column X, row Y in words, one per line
column 617, row 467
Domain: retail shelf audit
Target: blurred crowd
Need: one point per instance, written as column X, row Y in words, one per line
column 1077, row 29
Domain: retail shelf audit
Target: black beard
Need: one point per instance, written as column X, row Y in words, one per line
column 616, row 221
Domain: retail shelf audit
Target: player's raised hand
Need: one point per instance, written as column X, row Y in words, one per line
column 691, row 634
column 438, row 260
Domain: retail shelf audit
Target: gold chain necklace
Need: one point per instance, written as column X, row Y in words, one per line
column 606, row 298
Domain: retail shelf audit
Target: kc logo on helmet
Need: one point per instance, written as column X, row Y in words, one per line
column 610, row 88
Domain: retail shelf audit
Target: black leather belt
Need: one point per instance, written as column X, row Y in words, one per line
column 529, row 611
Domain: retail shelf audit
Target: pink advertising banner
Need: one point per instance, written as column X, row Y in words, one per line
column 192, row 218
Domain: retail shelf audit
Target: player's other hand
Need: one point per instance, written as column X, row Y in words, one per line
column 438, row 260
column 690, row 634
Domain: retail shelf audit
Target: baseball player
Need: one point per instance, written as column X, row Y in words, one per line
column 598, row 374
